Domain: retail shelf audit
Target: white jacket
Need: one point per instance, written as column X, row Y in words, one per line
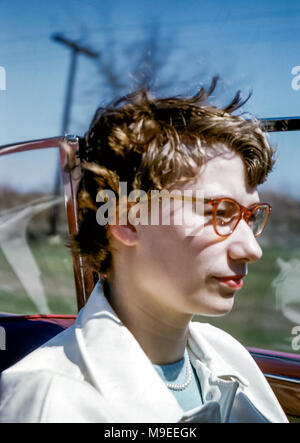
column 96, row 371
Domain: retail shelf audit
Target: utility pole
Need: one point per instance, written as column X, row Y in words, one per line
column 75, row 50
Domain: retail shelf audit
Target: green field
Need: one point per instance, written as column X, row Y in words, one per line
column 56, row 273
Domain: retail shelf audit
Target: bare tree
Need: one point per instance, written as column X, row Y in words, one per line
column 149, row 55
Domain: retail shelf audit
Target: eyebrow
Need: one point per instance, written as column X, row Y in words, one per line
column 215, row 197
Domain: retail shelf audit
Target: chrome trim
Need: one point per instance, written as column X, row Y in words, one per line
column 71, row 138
column 280, row 377
column 279, row 124
column 52, row 142
column 274, row 124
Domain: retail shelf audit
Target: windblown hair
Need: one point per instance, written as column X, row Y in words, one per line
column 155, row 143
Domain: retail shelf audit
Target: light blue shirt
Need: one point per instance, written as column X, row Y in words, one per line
column 189, row 397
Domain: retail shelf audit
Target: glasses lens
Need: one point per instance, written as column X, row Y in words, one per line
column 258, row 219
column 227, row 216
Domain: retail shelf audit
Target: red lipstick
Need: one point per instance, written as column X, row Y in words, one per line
column 233, row 281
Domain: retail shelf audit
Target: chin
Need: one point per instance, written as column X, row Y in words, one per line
column 221, row 313
column 219, row 308
column 215, row 314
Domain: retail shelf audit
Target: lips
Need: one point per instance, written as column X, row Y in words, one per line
column 233, row 281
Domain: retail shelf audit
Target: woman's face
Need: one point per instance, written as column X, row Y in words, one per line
column 178, row 271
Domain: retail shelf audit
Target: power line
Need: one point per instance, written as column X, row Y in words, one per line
column 76, row 49
column 119, row 27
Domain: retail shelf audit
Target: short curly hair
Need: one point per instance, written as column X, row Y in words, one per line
column 154, row 143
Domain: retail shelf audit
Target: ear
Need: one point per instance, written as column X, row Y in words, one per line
column 126, row 234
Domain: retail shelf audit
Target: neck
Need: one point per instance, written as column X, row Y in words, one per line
column 161, row 332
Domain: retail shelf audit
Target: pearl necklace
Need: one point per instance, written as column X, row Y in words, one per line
column 176, row 387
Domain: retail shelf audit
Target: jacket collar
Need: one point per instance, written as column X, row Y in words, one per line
column 120, row 370
column 202, row 350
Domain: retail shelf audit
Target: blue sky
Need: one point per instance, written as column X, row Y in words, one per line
column 251, row 45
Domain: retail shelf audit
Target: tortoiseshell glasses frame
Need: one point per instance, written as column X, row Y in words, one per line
column 227, row 213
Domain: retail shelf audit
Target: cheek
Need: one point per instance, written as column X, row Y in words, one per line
column 159, row 245
column 166, row 252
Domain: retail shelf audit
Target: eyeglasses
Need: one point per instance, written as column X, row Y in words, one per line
column 227, row 213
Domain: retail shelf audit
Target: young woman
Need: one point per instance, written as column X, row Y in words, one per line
column 134, row 353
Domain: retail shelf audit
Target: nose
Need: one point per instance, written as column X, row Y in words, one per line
column 243, row 245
